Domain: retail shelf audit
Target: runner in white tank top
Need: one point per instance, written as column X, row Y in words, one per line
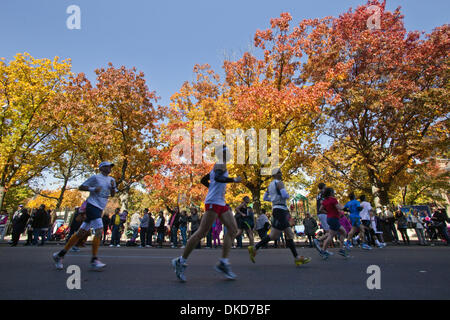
column 215, row 206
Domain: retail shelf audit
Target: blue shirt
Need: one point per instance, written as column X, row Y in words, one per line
column 353, row 206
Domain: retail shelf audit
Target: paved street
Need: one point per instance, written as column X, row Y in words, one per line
column 134, row 273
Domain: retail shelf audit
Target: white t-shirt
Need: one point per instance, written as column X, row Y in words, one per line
column 364, row 213
column 99, row 199
column 135, row 220
column 216, row 190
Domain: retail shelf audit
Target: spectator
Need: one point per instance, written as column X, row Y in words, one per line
column 390, row 224
column 440, row 219
column 216, row 230
column 30, row 228
column 418, row 226
column 106, row 222
column 134, row 225
column 402, row 225
column 160, row 228
column 310, row 228
column 183, row 227
column 3, row 223
column 262, row 225
column 40, row 225
column 52, row 214
column 116, row 224
column 194, row 219
column 144, row 228
column 150, row 230
column 174, row 225
column 19, row 223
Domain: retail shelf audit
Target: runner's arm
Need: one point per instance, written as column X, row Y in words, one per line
column 219, row 177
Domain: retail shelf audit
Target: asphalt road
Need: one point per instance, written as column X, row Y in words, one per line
column 136, row 273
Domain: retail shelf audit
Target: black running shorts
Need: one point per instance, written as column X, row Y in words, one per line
column 280, row 219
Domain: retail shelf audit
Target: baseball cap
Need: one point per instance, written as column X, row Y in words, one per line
column 106, row 164
column 276, row 171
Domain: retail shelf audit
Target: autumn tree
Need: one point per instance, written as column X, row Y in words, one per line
column 390, row 91
column 117, row 122
column 257, row 94
column 28, row 118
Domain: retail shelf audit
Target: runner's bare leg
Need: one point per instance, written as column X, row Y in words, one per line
column 205, row 225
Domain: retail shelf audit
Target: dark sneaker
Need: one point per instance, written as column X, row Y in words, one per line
column 343, row 253
column 179, row 269
column 226, row 270
column 325, row 255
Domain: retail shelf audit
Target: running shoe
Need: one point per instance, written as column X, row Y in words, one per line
column 58, row 261
column 317, row 245
column 329, row 252
column 343, row 253
column 325, row 255
column 118, row 246
column 302, row 260
column 348, row 245
column 75, row 249
column 366, row 247
column 226, row 270
column 97, row 265
column 252, row 253
column 179, row 269
column 111, row 245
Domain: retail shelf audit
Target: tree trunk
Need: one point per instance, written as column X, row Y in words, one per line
column 124, row 198
column 256, row 195
column 61, row 194
column 405, row 190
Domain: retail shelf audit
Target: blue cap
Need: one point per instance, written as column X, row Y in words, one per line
column 106, row 164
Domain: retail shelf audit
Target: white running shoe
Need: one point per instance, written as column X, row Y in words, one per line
column 58, row 261
column 111, row 245
column 97, row 265
column 179, row 269
column 226, row 270
column 118, row 246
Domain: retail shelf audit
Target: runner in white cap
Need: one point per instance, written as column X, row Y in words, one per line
column 100, row 186
column 215, row 206
column 277, row 194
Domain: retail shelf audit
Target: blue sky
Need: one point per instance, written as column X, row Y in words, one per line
column 165, row 39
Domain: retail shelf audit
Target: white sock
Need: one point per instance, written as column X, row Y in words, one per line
column 224, row 260
column 356, row 238
column 183, row 260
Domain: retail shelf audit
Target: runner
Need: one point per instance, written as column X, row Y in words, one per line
column 332, row 208
column 354, row 207
column 245, row 223
column 276, row 193
column 100, row 186
column 215, row 206
column 365, row 219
